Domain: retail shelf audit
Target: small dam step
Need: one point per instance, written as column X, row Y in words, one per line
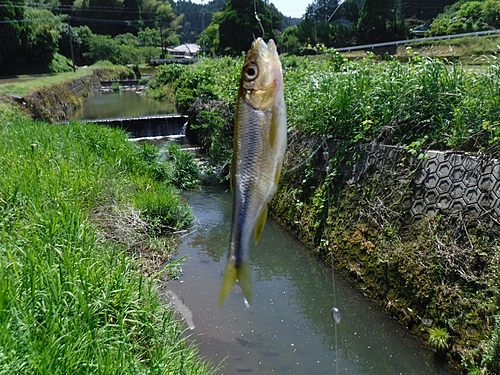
column 148, row 126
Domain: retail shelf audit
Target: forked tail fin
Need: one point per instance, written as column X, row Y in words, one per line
column 240, row 273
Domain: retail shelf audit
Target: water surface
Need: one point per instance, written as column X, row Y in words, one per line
column 121, row 104
column 289, row 328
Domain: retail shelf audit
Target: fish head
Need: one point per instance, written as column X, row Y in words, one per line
column 261, row 77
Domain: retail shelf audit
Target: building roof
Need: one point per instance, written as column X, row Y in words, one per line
column 185, row 49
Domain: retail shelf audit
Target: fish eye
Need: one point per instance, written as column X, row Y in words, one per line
column 251, row 71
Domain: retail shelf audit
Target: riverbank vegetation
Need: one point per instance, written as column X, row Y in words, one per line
column 424, row 103
column 438, row 275
column 80, row 210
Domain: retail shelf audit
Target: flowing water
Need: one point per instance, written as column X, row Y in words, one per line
column 121, row 104
column 289, row 327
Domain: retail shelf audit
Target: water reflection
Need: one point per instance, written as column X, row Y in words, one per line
column 121, row 104
column 289, row 328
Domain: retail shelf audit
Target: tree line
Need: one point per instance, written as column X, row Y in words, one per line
column 329, row 23
column 42, row 35
column 37, row 34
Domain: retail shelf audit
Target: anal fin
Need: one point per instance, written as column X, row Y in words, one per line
column 233, row 273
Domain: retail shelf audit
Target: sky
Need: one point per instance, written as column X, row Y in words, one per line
column 290, row 8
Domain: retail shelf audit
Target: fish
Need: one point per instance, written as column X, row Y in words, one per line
column 260, row 141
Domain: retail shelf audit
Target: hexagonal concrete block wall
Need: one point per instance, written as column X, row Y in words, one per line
column 443, row 181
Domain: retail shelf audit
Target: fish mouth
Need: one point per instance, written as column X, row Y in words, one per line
column 265, row 51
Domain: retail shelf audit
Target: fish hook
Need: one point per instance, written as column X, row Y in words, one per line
column 260, row 24
column 257, row 18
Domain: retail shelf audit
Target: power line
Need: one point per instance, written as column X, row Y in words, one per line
column 80, row 19
column 31, row 20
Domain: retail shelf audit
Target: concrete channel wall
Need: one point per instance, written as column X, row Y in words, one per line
column 443, row 181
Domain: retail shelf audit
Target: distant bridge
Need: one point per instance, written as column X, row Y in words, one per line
column 148, row 126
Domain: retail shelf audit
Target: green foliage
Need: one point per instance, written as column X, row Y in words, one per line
column 438, row 338
column 186, row 173
column 10, row 114
column 467, row 16
column 24, row 43
column 207, row 92
column 64, row 288
column 196, row 17
column 60, row 64
column 115, row 86
column 161, row 205
column 491, row 357
column 210, row 36
column 379, row 21
column 123, row 49
column 426, row 102
column 396, row 103
column 290, row 39
column 237, row 25
column 42, row 36
column 173, row 270
column 149, row 37
column 11, row 42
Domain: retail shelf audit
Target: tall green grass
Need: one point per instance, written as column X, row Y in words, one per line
column 425, row 101
column 72, row 302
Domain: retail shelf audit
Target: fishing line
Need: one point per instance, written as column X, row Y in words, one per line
column 305, row 160
column 257, row 17
column 335, row 311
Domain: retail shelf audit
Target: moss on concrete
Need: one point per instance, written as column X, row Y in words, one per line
column 439, row 272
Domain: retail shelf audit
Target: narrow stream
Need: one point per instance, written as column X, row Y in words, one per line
column 289, row 328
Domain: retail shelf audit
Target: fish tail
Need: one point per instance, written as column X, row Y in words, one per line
column 240, row 273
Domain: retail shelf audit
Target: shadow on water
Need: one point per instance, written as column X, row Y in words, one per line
column 289, row 328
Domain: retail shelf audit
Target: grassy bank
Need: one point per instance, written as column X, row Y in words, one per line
column 25, row 86
column 78, row 203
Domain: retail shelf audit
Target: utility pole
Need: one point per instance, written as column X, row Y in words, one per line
column 203, row 28
column 70, row 32
column 203, row 31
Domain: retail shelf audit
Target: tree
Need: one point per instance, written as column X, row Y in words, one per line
column 168, row 21
column 210, row 36
column 491, row 12
column 380, row 21
column 290, row 39
column 149, row 37
column 467, row 16
column 322, row 10
column 11, row 12
column 238, row 25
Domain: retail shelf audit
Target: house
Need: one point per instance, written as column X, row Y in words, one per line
column 186, row 50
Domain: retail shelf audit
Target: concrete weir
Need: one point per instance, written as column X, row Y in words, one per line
column 148, row 126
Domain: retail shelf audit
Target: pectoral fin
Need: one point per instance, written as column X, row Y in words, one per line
column 240, row 273
column 259, row 225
